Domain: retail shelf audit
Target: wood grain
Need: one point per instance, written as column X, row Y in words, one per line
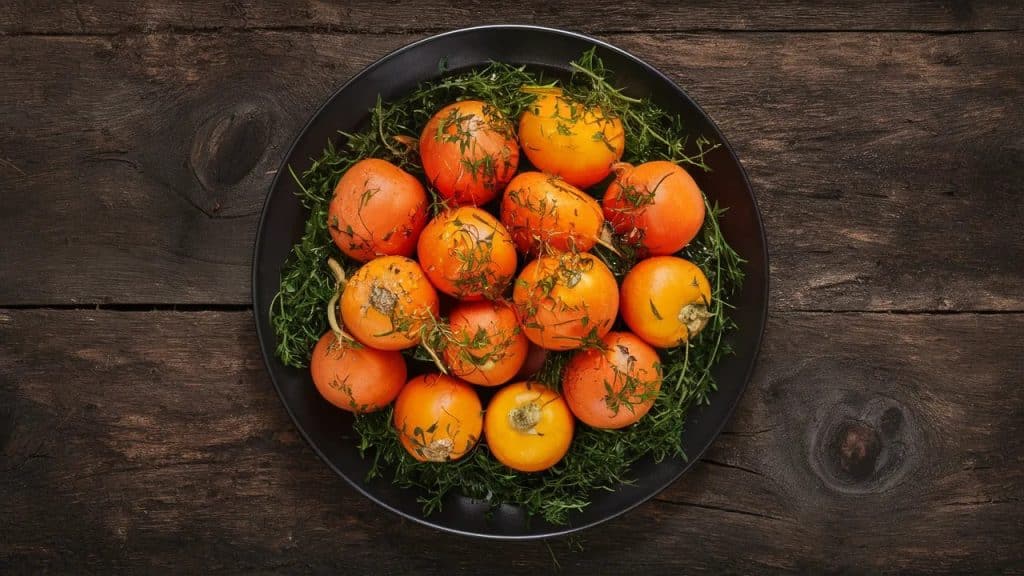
column 134, row 166
column 153, row 441
column 119, row 16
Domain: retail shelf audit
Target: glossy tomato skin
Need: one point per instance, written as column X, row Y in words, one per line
column 377, row 209
column 528, row 427
column 356, row 378
column 566, row 300
column 656, row 206
column 665, row 300
column 569, row 140
column 386, row 303
column 615, row 386
column 469, row 152
column 544, row 213
column 438, row 418
column 487, row 346
column 467, row 254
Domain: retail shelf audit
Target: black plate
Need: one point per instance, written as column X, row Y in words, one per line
column 328, row 430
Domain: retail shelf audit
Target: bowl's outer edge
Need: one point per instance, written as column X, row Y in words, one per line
column 265, row 336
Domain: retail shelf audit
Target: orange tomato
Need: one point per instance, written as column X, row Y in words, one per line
column 655, row 206
column 487, row 346
column 566, row 300
column 528, row 427
column 438, row 418
column 467, row 254
column 615, row 386
column 377, row 209
column 665, row 300
column 386, row 303
column 469, row 152
column 565, row 138
column 541, row 211
column 356, row 378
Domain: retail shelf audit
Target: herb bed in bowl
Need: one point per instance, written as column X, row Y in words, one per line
column 475, row 493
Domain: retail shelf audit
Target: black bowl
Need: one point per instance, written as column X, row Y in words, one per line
column 328, row 430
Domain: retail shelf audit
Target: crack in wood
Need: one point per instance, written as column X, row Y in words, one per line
column 733, row 466
column 719, row 509
column 21, row 464
column 742, row 434
column 119, row 156
column 975, row 503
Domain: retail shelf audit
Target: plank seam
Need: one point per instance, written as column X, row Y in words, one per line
column 133, row 307
column 329, row 30
column 898, row 312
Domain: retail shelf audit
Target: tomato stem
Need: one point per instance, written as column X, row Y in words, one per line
column 621, row 168
column 694, row 316
column 434, row 356
column 540, row 89
column 525, row 417
column 604, row 238
column 332, row 304
column 332, row 319
column 411, row 144
column 339, row 273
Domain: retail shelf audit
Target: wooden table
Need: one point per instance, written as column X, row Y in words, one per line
column 883, row 430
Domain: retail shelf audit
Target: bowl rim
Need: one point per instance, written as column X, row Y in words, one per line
column 691, row 459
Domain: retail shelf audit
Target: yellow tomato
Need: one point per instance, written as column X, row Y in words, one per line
column 567, row 139
column 528, row 427
column 665, row 300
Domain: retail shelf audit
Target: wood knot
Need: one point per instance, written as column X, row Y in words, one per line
column 853, row 451
column 864, row 445
column 228, row 145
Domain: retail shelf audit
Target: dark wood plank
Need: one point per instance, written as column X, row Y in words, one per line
column 887, row 165
column 118, row 16
column 140, row 166
column 866, row 442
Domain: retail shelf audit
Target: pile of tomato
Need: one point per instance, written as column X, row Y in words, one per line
column 499, row 317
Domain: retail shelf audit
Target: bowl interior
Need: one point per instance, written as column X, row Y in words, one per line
column 329, row 430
